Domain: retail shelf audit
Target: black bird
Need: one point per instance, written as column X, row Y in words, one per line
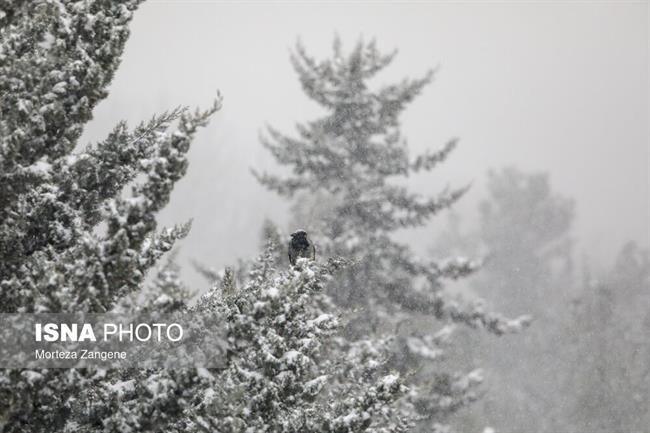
column 300, row 246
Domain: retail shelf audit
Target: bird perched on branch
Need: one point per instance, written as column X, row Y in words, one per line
column 300, row 247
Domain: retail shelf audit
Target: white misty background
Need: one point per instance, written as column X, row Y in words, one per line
column 558, row 87
column 555, row 92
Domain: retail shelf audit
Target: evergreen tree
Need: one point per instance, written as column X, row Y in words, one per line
column 285, row 369
column 611, row 386
column 345, row 169
column 69, row 240
column 525, row 227
column 524, row 230
column 584, row 364
column 57, row 60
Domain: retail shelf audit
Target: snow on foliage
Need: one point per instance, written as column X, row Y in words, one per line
column 347, row 174
column 57, row 59
column 286, row 370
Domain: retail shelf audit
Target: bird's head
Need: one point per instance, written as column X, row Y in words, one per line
column 298, row 235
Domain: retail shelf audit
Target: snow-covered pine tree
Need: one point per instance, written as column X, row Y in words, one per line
column 69, row 240
column 343, row 167
column 57, row 60
column 285, row 369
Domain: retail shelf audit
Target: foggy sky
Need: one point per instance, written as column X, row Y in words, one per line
column 557, row 87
